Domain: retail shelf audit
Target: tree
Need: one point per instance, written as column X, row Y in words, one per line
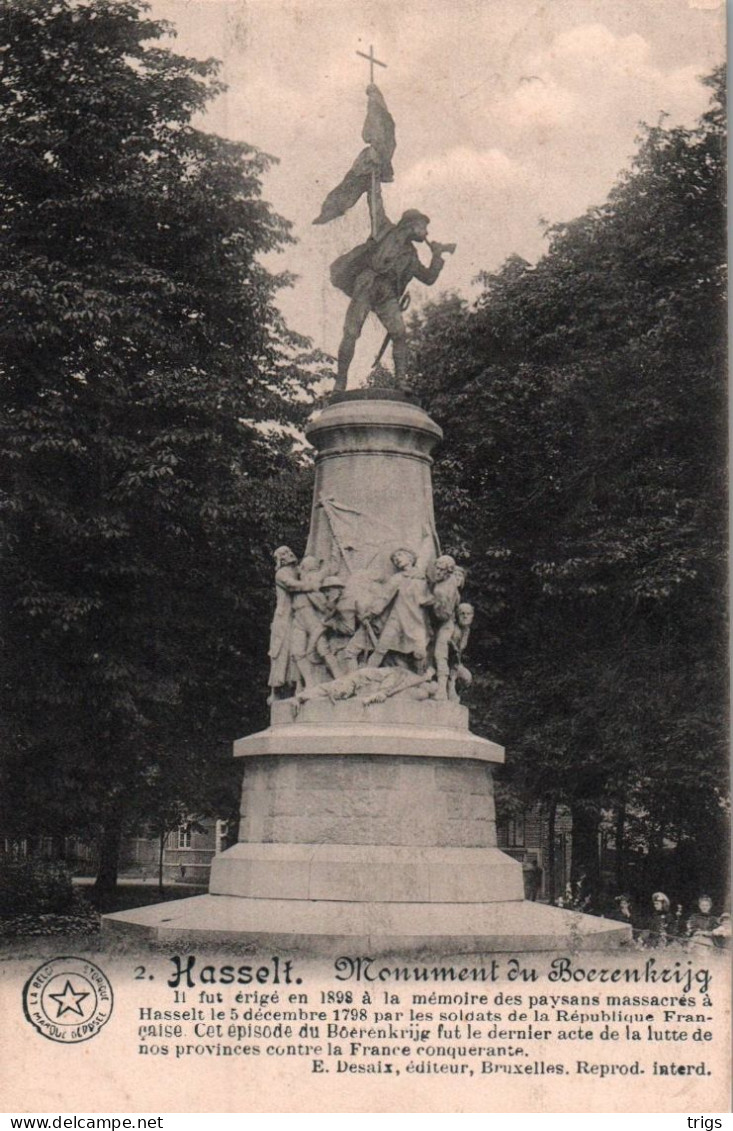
column 583, row 476
column 142, row 353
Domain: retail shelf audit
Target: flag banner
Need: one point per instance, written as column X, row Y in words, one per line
column 379, row 132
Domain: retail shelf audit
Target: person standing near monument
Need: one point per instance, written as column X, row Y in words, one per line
column 659, row 926
column 702, row 922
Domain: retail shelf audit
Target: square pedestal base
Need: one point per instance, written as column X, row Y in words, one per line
column 329, row 928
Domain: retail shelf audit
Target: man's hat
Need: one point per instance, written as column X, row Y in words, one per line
column 413, row 214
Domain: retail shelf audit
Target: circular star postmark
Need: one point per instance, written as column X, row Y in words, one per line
column 68, row 999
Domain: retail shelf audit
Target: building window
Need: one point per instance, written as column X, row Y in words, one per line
column 222, row 831
column 515, row 832
column 184, row 836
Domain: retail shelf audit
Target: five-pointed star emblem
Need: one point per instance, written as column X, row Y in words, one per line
column 69, row 1001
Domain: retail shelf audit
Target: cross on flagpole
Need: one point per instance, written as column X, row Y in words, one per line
column 371, row 58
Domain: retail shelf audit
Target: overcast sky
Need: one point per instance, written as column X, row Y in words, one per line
column 507, row 111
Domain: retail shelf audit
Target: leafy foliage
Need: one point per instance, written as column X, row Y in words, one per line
column 142, row 352
column 37, row 885
column 583, row 477
column 79, row 920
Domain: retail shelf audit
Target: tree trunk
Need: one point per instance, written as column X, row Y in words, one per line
column 110, row 841
column 585, row 864
column 551, row 887
column 161, row 850
column 621, row 847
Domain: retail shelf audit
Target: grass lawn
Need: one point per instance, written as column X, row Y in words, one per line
column 79, row 927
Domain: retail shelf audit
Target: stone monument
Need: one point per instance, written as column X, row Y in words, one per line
column 367, row 815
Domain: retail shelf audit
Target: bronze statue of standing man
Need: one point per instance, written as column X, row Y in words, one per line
column 375, row 275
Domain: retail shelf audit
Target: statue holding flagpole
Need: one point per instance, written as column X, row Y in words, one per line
column 375, row 275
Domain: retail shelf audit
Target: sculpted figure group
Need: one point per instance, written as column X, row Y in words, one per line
column 405, row 634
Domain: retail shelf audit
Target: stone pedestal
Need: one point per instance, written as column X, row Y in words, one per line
column 369, row 827
column 373, row 489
